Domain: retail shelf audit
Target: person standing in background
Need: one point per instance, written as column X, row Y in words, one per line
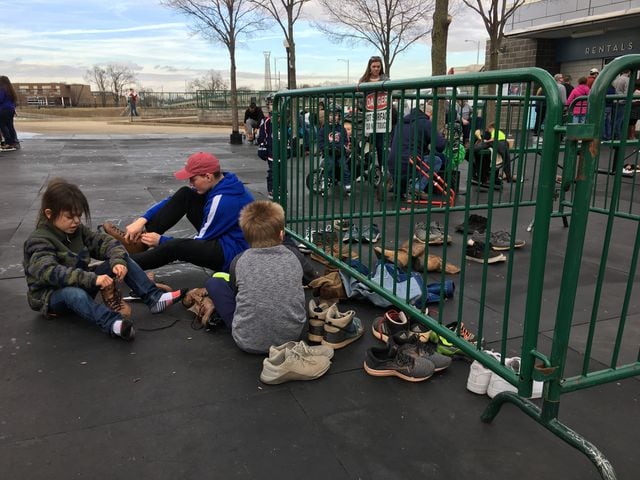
column 132, row 99
column 375, row 73
column 8, row 101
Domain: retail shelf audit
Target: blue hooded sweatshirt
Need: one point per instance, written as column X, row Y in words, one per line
column 6, row 102
column 413, row 137
column 221, row 212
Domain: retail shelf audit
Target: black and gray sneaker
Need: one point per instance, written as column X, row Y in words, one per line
column 411, row 345
column 420, row 232
column 476, row 253
column 370, row 234
column 437, row 234
column 500, row 240
column 391, row 361
column 352, row 234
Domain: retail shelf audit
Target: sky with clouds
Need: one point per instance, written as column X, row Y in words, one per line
column 58, row 41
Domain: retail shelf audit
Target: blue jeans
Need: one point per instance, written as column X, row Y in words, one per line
column 617, row 123
column 82, row 302
column 438, row 162
column 578, row 118
column 607, row 127
column 330, row 162
column 6, row 126
column 223, row 297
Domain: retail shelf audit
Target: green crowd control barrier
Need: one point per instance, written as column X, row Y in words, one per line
column 406, row 209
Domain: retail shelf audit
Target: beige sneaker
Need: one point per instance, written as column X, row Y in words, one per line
column 317, row 314
column 302, row 348
column 291, row 365
column 341, row 329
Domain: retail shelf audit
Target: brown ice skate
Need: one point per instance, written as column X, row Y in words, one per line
column 113, row 300
column 131, row 246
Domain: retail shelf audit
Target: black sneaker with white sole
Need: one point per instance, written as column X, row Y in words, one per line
column 476, row 253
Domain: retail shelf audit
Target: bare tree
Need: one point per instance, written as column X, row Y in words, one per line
column 225, row 22
column 389, row 26
column 285, row 13
column 98, row 76
column 118, row 76
column 212, row 80
column 439, row 36
column 495, row 15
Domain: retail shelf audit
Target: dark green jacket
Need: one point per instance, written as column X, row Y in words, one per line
column 54, row 260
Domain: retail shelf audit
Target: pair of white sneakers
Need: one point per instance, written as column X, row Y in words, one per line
column 295, row 361
column 481, row 380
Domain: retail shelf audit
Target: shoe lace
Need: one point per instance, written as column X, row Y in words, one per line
column 117, row 230
column 466, row 334
column 403, row 359
column 299, row 355
column 501, row 236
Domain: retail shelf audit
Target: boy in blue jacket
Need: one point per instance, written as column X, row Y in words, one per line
column 212, row 203
column 331, row 143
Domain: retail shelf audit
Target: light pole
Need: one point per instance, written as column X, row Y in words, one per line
column 477, row 42
column 347, row 62
column 275, row 69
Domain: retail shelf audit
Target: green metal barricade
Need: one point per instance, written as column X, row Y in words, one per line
column 361, row 202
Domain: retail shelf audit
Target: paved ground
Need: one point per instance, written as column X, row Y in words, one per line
column 181, row 403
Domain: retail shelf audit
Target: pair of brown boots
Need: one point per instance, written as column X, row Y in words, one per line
column 197, row 301
column 417, row 258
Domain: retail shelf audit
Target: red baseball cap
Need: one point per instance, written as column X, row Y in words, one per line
column 198, row 164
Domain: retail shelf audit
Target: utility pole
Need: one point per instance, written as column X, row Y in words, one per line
column 346, row 60
column 477, row 42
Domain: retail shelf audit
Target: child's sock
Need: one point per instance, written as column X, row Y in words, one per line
column 123, row 329
column 117, row 327
column 166, row 300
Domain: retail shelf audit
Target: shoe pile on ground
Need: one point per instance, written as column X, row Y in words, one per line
column 408, row 353
column 482, row 380
column 331, row 327
column 295, row 361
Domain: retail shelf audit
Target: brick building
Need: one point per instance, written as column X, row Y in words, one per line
column 54, row 94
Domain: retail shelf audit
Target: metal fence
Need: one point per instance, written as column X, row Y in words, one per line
column 221, row 99
column 339, row 189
